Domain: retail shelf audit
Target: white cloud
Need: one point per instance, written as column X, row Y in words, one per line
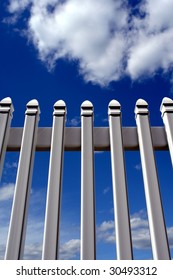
column 69, row 249
column 139, row 228
column 106, row 38
column 33, row 251
column 152, row 52
column 159, row 14
column 106, row 232
column 18, row 5
column 106, row 225
column 138, row 221
column 89, row 32
column 150, row 44
column 140, row 233
column 6, row 192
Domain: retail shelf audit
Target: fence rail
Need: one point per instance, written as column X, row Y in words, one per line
column 72, row 141
column 86, row 139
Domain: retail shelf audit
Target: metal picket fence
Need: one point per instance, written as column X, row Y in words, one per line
column 86, row 139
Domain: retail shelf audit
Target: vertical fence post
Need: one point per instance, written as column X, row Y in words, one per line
column 88, row 250
column 52, row 218
column 157, row 227
column 121, row 210
column 6, row 114
column 17, row 228
column 167, row 116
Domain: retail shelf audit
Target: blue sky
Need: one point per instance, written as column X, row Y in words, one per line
column 93, row 50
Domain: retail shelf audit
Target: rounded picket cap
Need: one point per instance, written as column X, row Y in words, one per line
column 59, row 108
column 6, row 105
column 87, row 108
column 141, row 107
column 166, row 105
column 114, row 108
column 32, row 107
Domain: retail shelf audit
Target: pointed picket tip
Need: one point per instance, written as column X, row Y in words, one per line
column 166, row 105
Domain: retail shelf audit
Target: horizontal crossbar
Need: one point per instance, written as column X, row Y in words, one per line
column 101, row 139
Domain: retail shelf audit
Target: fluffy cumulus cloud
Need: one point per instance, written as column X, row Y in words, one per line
column 69, row 249
column 139, row 228
column 109, row 39
column 150, row 48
